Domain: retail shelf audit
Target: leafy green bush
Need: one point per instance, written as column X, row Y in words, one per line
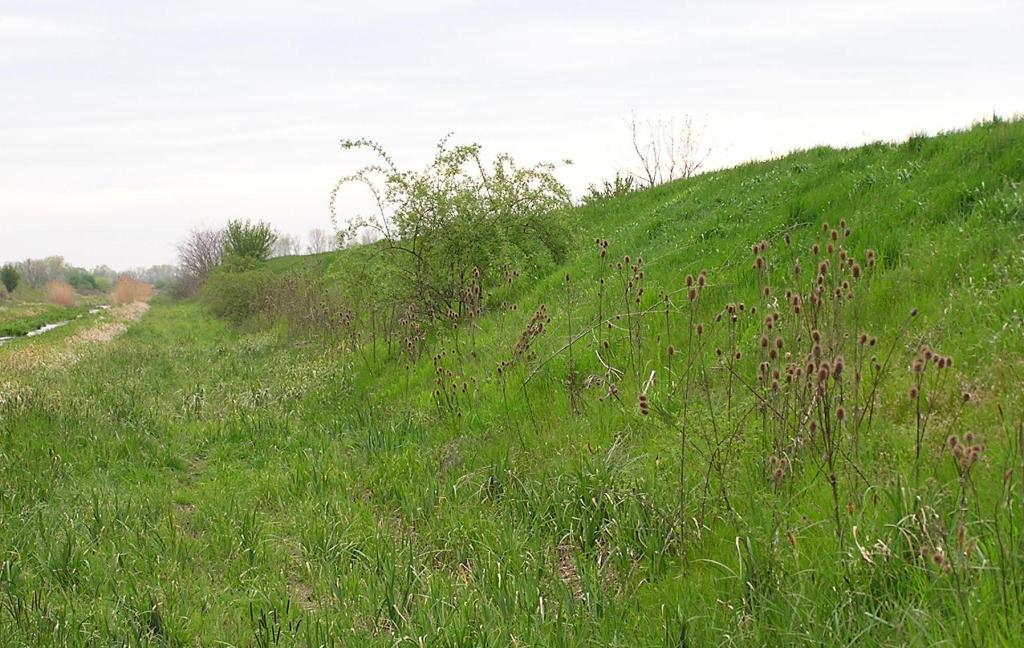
column 235, row 294
column 9, row 277
column 620, row 185
column 81, row 280
column 247, row 244
column 459, row 220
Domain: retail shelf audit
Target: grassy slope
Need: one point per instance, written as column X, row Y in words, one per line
column 195, row 478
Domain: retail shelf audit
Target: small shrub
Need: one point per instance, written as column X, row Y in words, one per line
column 235, row 295
column 9, row 278
column 3, row 292
column 81, row 280
column 619, row 186
column 246, row 243
column 60, row 293
column 457, row 217
column 128, row 290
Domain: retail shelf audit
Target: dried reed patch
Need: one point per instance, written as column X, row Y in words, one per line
column 128, row 290
column 60, row 293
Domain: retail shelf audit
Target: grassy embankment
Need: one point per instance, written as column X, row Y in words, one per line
column 201, row 482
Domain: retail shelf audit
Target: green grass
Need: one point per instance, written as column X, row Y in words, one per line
column 17, row 321
column 27, row 310
column 202, row 482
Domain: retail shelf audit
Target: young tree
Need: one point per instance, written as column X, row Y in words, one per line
column 248, row 242
column 32, row 272
column 9, row 277
column 198, row 254
column 286, row 245
column 319, row 241
column 457, row 217
column 667, row 151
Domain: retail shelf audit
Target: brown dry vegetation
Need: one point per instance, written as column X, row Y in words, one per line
column 61, row 293
column 128, row 291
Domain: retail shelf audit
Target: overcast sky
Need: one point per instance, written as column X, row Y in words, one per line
column 125, row 124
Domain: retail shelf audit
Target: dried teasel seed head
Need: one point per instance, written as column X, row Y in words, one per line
column 689, row 280
column 952, row 441
column 912, row 393
column 837, row 367
column 840, row 413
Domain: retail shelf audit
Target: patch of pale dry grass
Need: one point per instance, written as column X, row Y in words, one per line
column 128, row 290
column 101, row 333
column 61, row 293
column 130, row 312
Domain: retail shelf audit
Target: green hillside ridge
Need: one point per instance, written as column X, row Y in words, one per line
column 286, row 478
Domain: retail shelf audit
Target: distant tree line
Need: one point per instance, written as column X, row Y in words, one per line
column 36, row 273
